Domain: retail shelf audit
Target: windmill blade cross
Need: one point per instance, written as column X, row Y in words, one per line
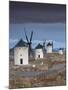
column 31, row 36
column 26, row 36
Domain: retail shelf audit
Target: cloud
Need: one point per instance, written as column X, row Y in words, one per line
column 13, row 40
column 56, row 44
column 37, row 41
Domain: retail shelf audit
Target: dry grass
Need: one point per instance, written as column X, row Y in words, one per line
column 51, row 80
column 21, row 82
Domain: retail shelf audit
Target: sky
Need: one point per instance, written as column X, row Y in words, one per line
column 47, row 21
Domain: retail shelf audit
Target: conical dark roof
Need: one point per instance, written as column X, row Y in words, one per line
column 39, row 46
column 21, row 43
column 60, row 48
column 49, row 44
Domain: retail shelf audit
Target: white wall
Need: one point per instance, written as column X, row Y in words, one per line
column 60, row 51
column 21, row 52
column 49, row 49
column 38, row 52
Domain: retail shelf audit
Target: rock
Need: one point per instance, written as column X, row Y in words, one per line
column 33, row 65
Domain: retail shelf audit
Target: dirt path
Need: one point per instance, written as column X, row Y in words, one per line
column 51, row 71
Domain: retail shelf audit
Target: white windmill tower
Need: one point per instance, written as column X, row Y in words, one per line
column 60, row 51
column 39, row 51
column 21, row 53
column 49, row 48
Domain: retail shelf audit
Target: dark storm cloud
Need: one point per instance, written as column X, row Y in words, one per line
column 22, row 12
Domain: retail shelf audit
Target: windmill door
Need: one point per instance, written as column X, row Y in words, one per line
column 38, row 56
column 21, row 61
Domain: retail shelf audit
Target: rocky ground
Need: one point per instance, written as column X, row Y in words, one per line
column 50, row 71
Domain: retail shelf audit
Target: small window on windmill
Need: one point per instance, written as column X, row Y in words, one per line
column 38, row 56
column 21, row 61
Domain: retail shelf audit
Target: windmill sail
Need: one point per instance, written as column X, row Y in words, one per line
column 26, row 36
column 31, row 36
column 29, row 42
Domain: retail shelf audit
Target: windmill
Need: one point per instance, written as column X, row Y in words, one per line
column 29, row 41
